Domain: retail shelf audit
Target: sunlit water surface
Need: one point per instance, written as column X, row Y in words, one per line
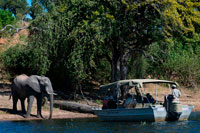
column 95, row 125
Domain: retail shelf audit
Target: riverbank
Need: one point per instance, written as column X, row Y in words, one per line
column 188, row 97
column 6, row 112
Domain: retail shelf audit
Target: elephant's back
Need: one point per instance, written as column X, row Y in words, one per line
column 22, row 77
column 20, row 82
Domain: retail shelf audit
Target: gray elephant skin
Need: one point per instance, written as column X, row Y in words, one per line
column 31, row 87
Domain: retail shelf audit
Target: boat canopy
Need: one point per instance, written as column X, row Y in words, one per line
column 115, row 86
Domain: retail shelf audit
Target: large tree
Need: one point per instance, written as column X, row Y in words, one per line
column 72, row 36
column 36, row 9
column 18, row 7
column 134, row 25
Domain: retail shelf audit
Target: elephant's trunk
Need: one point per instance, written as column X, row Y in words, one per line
column 51, row 106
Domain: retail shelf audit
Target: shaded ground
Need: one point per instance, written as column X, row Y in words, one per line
column 7, row 114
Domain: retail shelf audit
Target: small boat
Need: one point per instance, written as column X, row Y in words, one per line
column 145, row 108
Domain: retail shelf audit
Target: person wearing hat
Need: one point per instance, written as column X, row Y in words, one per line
column 175, row 93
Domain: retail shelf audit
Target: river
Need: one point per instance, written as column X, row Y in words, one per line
column 94, row 125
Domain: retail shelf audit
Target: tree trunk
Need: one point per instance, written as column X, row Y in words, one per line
column 115, row 70
column 140, row 66
column 124, row 65
column 115, row 76
column 119, row 67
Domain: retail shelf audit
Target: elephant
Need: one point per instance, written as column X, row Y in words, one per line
column 24, row 86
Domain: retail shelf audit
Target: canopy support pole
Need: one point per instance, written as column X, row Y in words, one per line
column 156, row 91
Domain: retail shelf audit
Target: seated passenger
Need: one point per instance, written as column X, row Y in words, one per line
column 130, row 101
column 112, row 104
column 109, row 103
column 139, row 97
column 149, row 99
column 104, row 103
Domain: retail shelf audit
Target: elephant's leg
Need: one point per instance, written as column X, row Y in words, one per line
column 15, row 99
column 30, row 103
column 39, row 106
column 23, row 105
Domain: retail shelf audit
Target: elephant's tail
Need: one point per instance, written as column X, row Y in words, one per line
column 11, row 90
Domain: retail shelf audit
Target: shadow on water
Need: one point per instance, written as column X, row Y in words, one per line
column 194, row 116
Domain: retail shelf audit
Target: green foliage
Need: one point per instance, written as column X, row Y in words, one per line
column 179, row 16
column 36, row 9
column 177, row 60
column 75, row 41
column 18, row 7
column 15, row 59
column 138, row 66
column 68, row 43
column 5, row 18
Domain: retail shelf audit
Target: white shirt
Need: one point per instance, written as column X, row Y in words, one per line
column 176, row 94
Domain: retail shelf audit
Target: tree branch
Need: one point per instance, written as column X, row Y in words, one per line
column 12, row 27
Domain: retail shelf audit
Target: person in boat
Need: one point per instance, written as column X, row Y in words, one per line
column 130, row 101
column 139, row 96
column 109, row 103
column 174, row 96
column 144, row 99
column 149, row 99
column 175, row 93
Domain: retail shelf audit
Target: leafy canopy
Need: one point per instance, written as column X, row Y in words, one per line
column 74, row 38
column 18, row 7
column 5, row 18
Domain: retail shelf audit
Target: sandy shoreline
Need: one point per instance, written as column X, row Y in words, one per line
column 6, row 114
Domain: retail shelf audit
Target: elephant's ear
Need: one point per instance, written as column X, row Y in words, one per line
column 45, row 84
column 33, row 82
column 42, row 80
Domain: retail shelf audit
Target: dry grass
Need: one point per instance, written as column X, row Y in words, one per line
column 18, row 38
column 188, row 96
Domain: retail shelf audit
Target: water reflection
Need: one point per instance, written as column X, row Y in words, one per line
column 95, row 125
column 195, row 116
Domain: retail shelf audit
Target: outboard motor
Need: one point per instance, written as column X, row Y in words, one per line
column 174, row 109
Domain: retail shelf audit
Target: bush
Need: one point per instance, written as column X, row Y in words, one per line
column 15, row 58
column 176, row 60
column 5, row 19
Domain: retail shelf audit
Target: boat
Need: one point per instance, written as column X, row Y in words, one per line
column 146, row 108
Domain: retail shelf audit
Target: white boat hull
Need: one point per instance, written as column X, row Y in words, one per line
column 137, row 114
column 151, row 114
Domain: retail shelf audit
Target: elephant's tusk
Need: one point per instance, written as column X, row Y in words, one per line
column 52, row 93
column 55, row 94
